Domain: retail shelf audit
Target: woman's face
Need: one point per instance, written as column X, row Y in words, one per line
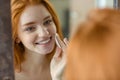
column 37, row 30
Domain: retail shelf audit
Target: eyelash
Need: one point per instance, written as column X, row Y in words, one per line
column 48, row 22
column 30, row 28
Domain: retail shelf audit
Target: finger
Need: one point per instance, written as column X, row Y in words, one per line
column 65, row 41
column 58, row 52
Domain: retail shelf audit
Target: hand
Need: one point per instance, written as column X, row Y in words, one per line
column 59, row 59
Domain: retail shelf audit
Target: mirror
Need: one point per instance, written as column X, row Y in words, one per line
column 71, row 12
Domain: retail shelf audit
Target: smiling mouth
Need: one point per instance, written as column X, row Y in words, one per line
column 44, row 41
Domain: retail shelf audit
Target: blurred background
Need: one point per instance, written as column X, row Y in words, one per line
column 72, row 12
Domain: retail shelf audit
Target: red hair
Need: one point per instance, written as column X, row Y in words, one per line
column 17, row 7
column 93, row 52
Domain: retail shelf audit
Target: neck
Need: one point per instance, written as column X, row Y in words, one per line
column 34, row 62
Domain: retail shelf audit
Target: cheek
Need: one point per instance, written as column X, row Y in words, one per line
column 53, row 29
column 24, row 40
column 27, row 39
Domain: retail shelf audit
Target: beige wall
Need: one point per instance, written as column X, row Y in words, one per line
column 80, row 8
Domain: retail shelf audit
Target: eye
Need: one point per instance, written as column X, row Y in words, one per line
column 48, row 22
column 30, row 28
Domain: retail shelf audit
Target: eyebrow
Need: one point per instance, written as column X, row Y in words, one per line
column 29, row 23
column 47, row 17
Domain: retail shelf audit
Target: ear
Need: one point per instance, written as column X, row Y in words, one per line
column 17, row 40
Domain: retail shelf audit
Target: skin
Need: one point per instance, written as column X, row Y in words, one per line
column 39, row 30
column 59, row 59
column 37, row 33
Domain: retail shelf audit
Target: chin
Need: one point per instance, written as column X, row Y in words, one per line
column 47, row 50
column 50, row 50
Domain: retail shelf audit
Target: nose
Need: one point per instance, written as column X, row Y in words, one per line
column 43, row 32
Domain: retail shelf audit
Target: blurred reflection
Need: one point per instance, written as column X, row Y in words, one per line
column 93, row 52
column 62, row 8
column 73, row 12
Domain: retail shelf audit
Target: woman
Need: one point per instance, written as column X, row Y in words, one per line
column 34, row 24
column 94, row 50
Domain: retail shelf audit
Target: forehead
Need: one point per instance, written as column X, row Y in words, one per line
column 33, row 13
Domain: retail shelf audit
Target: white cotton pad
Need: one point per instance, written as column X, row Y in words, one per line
column 57, row 40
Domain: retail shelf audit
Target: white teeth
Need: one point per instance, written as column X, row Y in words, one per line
column 43, row 42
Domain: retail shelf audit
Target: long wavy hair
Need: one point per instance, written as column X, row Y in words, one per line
column 17, row 7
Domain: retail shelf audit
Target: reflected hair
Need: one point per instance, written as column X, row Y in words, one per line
column 17, row 7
